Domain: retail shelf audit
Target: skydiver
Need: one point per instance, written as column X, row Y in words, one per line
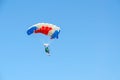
column 47, row 50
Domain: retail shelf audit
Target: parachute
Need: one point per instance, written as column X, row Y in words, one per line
column 46, row 29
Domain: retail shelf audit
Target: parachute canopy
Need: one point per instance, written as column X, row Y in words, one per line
column 46, row 29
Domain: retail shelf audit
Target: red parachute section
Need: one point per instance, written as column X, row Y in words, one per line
column 44, row 30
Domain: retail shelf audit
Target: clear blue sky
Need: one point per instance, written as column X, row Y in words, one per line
column 88, row 47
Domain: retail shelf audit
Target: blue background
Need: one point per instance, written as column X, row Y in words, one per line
column 88, row 47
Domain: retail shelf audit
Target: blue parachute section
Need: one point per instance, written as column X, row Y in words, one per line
column 55, row 34
column 31, row 30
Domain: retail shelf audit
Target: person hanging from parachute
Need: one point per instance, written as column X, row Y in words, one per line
column 46, row 29
column 47, row 50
